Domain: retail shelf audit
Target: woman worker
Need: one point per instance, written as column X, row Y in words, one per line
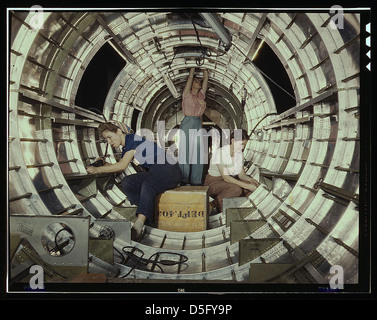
column 226, row 176
column 190, row 150
column 163, row 173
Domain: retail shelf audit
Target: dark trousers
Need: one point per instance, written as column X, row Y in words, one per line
column 142, row 188
column 219, row 189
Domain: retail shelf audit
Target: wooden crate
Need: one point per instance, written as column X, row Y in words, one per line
column 183, row 209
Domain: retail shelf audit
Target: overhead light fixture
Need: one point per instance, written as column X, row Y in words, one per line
column 125, row 54
column 189, row 51
column 169, row 83
column 115, row 42
column 256, row 51
column 115, row 47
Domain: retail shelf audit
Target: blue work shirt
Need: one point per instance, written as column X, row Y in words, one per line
column 147, row 152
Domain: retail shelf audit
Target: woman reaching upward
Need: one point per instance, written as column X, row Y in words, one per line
column 190, row 142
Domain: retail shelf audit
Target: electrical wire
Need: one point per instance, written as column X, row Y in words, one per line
column 205, row 52
column 172, row 60
column 57, row 245
column 268, row 114
column 99, row 111
column 269, row 78
column 199, row 61
column 140, row 262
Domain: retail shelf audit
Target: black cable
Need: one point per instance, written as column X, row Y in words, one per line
column 139, row 261
column 98, row 111
column 197, row 33
column 129, row 256
column 57, row 245
column 269, row 78
column 268, row 114
column 205, row 52
column 172, row 60
column 122, row 256
column 199, row 61
column 170, row 262
column 222, row 54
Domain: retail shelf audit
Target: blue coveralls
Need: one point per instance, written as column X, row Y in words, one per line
column 163, row 173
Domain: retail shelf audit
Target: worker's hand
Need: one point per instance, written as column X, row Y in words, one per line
column 255, row 182
column 92, row 169
column 252, row 185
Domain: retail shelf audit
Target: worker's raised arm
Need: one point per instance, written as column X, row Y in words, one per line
column 188, row 85
column 205, row 81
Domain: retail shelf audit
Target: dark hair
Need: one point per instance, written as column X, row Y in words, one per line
column 107, row 126
column 244, row 134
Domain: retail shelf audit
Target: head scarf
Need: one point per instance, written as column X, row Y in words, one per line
column 122, row 126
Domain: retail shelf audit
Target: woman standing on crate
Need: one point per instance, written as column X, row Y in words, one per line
column 190, row 141
column 226, row 176
column 162, row 172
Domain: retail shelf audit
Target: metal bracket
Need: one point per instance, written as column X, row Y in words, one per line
column 268, row 272
column 233, row 214
column 242, row 228
column 250, row 249
column 115, row 228
column 34, row 228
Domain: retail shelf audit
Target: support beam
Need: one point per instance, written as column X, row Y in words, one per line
column 255, row 34
column 323, row 97
column 25, row 96
column 116, row 41
column 218, row 28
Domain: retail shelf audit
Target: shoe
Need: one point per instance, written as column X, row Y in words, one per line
column 213, row 209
